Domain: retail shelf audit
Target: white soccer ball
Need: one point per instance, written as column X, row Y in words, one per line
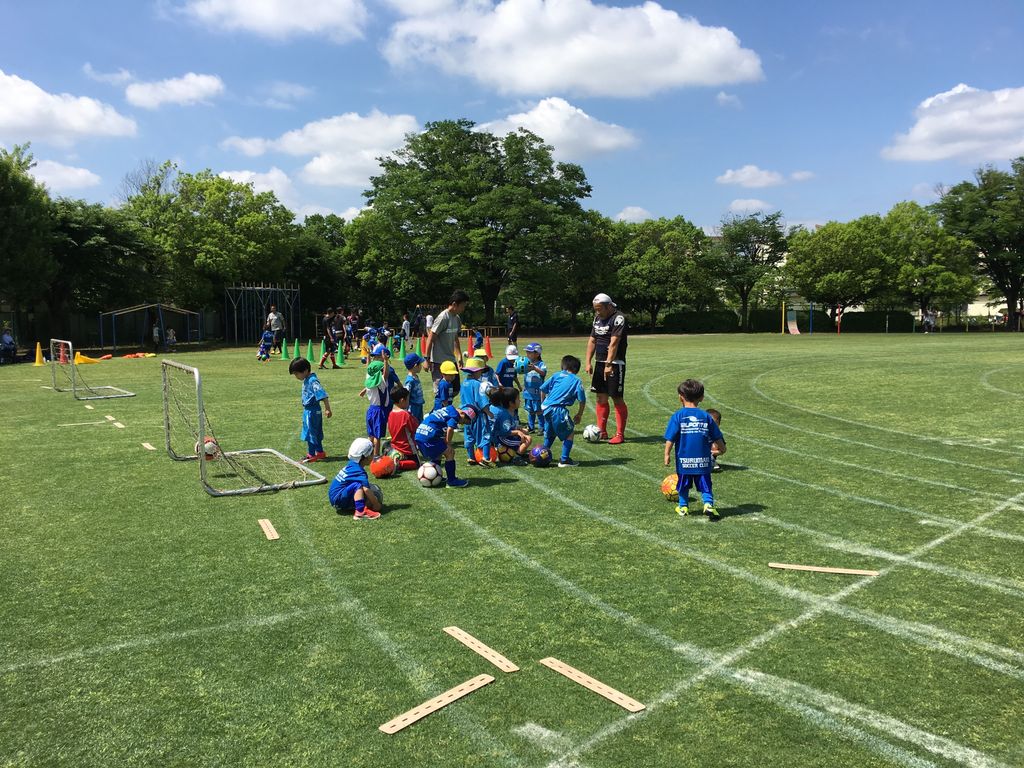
column 377, row 491
column 592, row 434
column 208, row 448
column 429, row 475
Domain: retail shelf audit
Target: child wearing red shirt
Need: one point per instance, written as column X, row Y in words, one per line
column 402, row 427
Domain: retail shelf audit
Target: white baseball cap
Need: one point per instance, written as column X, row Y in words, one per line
column 360, row 448
column 603, row 298
column 511, row 352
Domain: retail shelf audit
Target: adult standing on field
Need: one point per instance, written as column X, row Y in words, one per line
column 608, row 341
column 276, row 322
column 512, row 325
column 442, row 344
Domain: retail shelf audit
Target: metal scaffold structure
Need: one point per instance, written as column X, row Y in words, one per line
column 247, row 305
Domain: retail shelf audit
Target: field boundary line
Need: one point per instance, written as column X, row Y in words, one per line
column 984, row 381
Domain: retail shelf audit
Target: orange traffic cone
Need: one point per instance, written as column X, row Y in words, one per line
column 471, row 351
column 487, row 348
column 63, row 355
column 39, row 355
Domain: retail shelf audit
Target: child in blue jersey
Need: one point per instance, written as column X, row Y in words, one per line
column 560, row 392
column 695, row 436
column 506, row 370
column 414, row 364
column 472, row 393
column 445, row 385
column 266, row 342
column 313, row 393
column 351, row 490
column 506, row 430
column 377, row 391
column 434, row 438
column 536, row 372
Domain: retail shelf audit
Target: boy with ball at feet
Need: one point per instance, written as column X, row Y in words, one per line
column 694, row 435
column 434, row 438
column 350, row 489
column 561, row 392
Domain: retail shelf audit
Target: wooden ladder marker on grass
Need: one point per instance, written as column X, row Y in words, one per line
column 624, row 701
column 88, row 407
column 148, row 447
column 821, row 569
column 436, row 703
column 487, row 652
column 110, row 418
column 268, row 530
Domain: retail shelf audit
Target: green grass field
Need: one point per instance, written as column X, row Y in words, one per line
column 146, row 623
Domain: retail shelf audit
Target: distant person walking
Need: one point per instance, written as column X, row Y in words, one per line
column 512, row 325
column 442, row 344
column 277, row 325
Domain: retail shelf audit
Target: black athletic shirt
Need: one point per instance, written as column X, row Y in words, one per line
column 604, row 329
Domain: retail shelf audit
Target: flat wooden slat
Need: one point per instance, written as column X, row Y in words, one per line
column 110, row 418
column 88, row 407
column 268, row 529
column 148, row 447
column 119, row 425
column 596, row 686
column 821, row 569
column 418, row 713
column 487, row 652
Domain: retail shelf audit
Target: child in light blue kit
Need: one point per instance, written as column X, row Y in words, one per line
column 351, row 489
column 313, row 393
column 560, row 392
column 535, row 373
column 414, row 364
column 695, row 436
column 473, row 393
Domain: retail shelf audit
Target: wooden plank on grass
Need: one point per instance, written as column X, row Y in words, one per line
column 821, row 569
column 119, row 425
column 436, row 703
column 268, row 529
column 110, row 418
column 148, row 447
column 89, row 407
column 486, row 651
column 596, row 686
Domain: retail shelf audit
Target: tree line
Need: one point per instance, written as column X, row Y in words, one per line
column 500, row 217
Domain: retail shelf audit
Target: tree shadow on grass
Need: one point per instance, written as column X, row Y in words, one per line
column 610, row 461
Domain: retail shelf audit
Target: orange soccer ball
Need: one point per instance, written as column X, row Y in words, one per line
column 383, row 466
column 668, row 487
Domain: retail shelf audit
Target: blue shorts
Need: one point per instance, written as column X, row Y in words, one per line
column 343, row 496
column 312, row 424
column 701, row 482
column 512, row 441
column 531, row 405
column 432, row 449
column 376, row 421
column 558, row 423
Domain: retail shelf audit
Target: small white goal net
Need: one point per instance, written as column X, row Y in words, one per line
column 187, row 431
column 66, row 376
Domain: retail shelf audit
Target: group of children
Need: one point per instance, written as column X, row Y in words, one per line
column 488, row 416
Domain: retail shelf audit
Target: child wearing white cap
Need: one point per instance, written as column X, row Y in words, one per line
column 351, row 488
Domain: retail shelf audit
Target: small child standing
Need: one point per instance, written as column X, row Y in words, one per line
column 414, row 364
column 350, row 489
column 714, row 414
column 402, row 424
column 472, row 394
column 313, row 393
column 506, row 370
column 560, row 392
column 445, row 395
column 266, row 342
column 536, row 372
column 695, row 435
column 378, row 393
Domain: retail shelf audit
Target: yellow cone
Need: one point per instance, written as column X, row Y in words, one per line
column 80, row 359
column 39, row 355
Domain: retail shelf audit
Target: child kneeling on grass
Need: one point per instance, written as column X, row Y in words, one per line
column 507, row 431
column 402, row 425
column 694, row 434
column 350, row 491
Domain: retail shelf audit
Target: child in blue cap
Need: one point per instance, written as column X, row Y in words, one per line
column 414, row 364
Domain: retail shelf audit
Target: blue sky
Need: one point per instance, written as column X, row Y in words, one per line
column 821, row 110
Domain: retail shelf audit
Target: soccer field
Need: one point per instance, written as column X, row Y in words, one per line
column 146, row 623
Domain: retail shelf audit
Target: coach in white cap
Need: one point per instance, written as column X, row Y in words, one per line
column 608, row 341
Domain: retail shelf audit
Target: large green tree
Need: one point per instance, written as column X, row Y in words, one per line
column 318, row 263
column 477, row 208
column 750, row 248
column 26, row 265
column 990, row 213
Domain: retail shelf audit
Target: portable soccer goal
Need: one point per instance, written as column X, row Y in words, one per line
column 66, row 376
column 187, row 430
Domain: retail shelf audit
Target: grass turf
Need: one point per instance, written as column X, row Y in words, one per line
column 144, row 622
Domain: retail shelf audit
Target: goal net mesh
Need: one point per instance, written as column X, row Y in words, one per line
column 187, row 427
column 66, row 375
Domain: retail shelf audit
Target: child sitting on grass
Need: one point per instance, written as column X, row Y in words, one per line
column 694, row 434
column 506, row 430
column 350, row 489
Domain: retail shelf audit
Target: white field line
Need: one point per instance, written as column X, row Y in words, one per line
column 130, row 644
column 712, row 663
column 924, row 438
column 548, row 740
column 935, row 638
column 418, row 675
column 993, row 388
column 1009, row 587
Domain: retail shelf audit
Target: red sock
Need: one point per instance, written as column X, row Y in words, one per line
column 324, row 357
column 621, row 413
column 602, row 415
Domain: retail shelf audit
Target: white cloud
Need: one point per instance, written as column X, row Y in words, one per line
column 344, row 148
column 633, row 213
column 28, row 113
column 575, row 46
column 752, row 177
column 749, row 205
column 59, row 177
column 120, row 77
column 189, row 89
column 281, row 94
column 801, row 175
column 337, row 20
column 572, row 132
column 728, row 100
column 275, row 180
column 964, row 123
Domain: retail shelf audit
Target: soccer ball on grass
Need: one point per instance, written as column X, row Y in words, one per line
column 376, row 491
column 505, row 454
column 592, row 434
column 383, row 466
column 429, row 475
column 669, row 487
column 208, row 448
column 540, row 456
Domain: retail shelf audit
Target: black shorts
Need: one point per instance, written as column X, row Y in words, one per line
column 614, row 385
column 330, row 345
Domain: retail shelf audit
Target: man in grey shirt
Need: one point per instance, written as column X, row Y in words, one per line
column 442, row 343
column 276, row 322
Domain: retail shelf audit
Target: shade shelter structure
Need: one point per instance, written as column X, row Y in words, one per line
column 133, row 326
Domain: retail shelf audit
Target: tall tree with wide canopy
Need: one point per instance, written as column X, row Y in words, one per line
column 26, row 265
column 478, row 208
column 750, row 248
column 990, row 213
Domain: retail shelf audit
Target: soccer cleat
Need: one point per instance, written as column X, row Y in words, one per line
column 367, row 514
column 309, row 458
column 710, row 511
column 458, row 482
column 314, row 457
column 486, row 463
column 617, row 440
column 568, row 463
column 682, row 510
column 716, row 467
column 603, row 435
column 471, row 462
